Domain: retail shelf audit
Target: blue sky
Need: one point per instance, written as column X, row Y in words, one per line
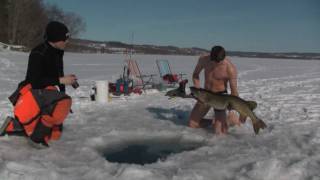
column 238, row 25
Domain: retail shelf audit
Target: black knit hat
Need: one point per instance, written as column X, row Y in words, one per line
column 56, row 31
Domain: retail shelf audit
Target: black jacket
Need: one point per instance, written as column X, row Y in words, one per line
column 45, row 67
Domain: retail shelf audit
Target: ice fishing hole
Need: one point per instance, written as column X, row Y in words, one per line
column 148, row 152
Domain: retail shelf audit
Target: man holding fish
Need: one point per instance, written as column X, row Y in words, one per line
column 219, row 72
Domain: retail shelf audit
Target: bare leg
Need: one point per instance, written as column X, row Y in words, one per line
column 242, row 119
column 197, row 113
column 233, row 118
column 205, row 122
column 220, row 127
column 220, row 123
column 217, row 127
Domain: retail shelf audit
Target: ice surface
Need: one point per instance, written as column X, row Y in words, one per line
column 288, row 97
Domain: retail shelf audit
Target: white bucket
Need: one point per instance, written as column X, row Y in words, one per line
column 102, row 91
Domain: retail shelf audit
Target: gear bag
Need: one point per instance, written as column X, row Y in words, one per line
column 47, row 106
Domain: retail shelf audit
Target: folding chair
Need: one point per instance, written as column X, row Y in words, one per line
column 140, row 80
column 166, row 73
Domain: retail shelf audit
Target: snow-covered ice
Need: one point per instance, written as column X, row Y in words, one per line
column 288, row 97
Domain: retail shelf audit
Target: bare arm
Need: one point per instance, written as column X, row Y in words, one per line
column 196, row 73
column 233, row 79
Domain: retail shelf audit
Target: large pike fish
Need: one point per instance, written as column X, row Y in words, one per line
column 224, row 101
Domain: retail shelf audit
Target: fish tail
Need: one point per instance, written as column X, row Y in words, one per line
column 259, row 124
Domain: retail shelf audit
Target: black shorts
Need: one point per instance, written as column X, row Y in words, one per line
column 220, row 114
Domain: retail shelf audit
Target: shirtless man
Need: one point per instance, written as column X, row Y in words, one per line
column 218, row 73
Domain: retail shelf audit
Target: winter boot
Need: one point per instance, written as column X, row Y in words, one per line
column 12, row 126
column 38, row 137
column 3, row 128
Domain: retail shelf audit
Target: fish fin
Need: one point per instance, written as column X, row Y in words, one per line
column 252, row 104
column 259, row 125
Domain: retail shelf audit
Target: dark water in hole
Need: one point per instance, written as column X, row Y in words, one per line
column 147, row 153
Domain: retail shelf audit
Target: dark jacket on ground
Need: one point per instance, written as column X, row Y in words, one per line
column 45, row 67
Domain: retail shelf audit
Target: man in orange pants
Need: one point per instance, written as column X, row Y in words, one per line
column 40, row 102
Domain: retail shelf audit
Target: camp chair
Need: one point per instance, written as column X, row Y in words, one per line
column 166, row 74
column 140, row 80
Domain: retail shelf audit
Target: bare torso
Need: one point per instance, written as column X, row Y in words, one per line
column 215, row 75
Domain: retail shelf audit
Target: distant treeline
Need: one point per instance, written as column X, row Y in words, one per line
column 22, row 22
column 279, row 55
column 91, row 46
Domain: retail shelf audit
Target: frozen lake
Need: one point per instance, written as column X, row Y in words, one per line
column 288, row 97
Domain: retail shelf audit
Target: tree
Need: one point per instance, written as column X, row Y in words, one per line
column 26, row 22
column 73, row 21
column 4, row 21
column 23, row 22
